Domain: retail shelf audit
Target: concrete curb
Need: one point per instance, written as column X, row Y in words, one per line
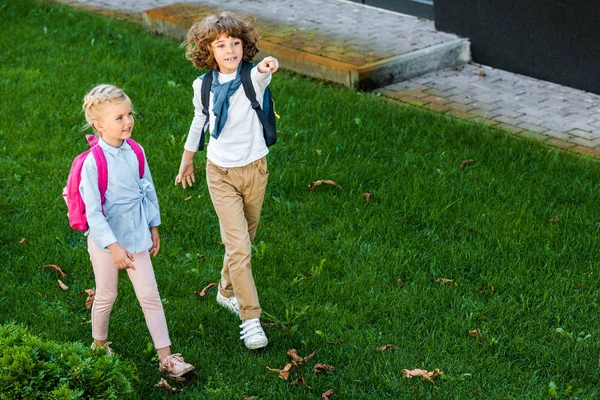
column 417, row 63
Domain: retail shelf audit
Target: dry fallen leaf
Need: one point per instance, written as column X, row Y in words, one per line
column 203, row 292
column 480, row 73
column 465, row 163
column 177, row 378
column 327, row 395
column 319, row 183
column 400, row 283
column 62, row 285
column 456, row 69
column 201, row 256
column 320, row 367
column 554, row 220
column 165, row 384
column 55, row 268
column 22, row 241
column 300, row 382
column 421, row 372
column 339, row 341
column 368, row 196
column 296, row 359
column 476, row 333
column 90, row 299
column 387, row 347
column 283, row 373
column 448, row 282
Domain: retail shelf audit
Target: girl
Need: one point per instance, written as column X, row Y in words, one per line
column 236, row 170
column 123, row 232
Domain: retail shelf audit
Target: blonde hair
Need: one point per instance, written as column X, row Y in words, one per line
column 93, row 102
column 202, row 34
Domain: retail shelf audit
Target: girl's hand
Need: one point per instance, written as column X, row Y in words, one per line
column 268, row 64
column 155, row 241
column 121, row 257
column 186, row 170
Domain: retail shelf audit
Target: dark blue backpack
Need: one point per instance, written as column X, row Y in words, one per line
column 266, row 113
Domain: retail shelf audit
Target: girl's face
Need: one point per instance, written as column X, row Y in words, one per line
column 228, row 52
column 116, row 123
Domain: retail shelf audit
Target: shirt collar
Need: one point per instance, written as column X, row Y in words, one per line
column 113, row 150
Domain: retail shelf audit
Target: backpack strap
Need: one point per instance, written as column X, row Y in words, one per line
column 102, row 172
column 205, row 99
column 248, row 86
column 137, row 149
column 269, row 130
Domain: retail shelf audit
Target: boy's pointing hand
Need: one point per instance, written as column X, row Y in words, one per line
column 268, row 64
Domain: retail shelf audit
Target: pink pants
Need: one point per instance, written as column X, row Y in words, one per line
column 146, row 291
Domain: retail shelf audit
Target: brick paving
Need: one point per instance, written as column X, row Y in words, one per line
column 335, row 29
column 347, row 32
column 560, row 116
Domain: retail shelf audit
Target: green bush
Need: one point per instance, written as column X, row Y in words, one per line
column 34, row 368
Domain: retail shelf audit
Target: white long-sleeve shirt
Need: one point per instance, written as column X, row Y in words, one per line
column 241, row 141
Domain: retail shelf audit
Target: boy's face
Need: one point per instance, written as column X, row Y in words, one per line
column 228, row 52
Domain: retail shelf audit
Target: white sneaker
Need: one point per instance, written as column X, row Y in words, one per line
column 229, row 303
column 252, row 334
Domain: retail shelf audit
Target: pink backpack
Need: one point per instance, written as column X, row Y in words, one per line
column 75, row 204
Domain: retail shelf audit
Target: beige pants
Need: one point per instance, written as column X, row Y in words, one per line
column 237, row 195
column 146, row 291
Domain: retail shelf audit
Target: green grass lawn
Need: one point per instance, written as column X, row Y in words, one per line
column 516, row 231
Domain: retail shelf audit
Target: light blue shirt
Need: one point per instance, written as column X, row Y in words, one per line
column 130, row 206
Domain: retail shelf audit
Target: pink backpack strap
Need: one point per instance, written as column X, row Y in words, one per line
column 92, row 140
column 103, row 168
column 140, row 155
column 102, row 171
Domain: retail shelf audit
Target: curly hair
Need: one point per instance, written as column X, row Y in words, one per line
column 202, row 34
column 93, row 101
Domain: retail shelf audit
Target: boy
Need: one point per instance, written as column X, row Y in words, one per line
column 236, row 168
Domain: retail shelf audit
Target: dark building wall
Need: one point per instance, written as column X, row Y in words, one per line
column 419, row 8
column 553, row 40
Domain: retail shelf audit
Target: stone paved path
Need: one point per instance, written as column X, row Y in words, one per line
column 557, row 115
column 371, row 29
